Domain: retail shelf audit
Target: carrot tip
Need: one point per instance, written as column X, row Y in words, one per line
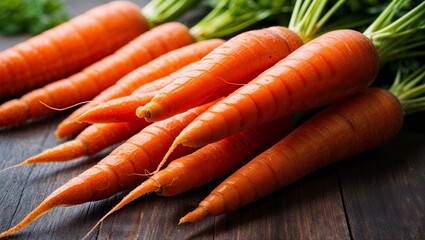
column 15, row 166
column 198, row 214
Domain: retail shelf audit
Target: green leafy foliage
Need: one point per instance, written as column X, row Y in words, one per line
column 31, row 16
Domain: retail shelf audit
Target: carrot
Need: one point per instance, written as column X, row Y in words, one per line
column 97, row 77
column 123, row 169
column 245, row 56
column 209, row 163
column 237, row 62
column 69, row 47
column 92, row 140
column 157, row 68
column 123, row 109
column 346, row 128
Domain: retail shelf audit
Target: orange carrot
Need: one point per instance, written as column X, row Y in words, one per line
column 123, row 109
column 88, row 83
column 69, row 47
column 164, row 81
column 209, row 163
column 90, row 141
column 331, row 67
column 149, row 72
column 237, row 61
column 342, row 130
column 123, row 169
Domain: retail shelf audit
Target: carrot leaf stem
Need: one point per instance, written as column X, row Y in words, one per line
column 308, row 18
column 232, row 16
column 393, row 38
column 160, row 11
column 410, row 90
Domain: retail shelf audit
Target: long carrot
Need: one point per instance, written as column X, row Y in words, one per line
column 123, row 109
column 245, row 56
column 330, row 67
column 209, row 163
column 123, row 169
column 88, row 83
column 69, row 47
column 238, row 61
column 342, row 130
column 157, row 68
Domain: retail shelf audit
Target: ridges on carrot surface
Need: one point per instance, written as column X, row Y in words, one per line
column 69, row 47
column 157, row 68
column 123, row 109
column 351, row 126
column 124, row 168
column 244, row 56
column 92, row 80
column 331, row 67
column 209, row 163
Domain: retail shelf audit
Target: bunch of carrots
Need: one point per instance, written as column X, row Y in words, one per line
column 187, row 106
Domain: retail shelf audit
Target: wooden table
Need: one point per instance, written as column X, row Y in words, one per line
column 376, row 195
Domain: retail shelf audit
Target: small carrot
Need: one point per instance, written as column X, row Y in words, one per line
column 123, row 109
column 124, row 168
column 88, row 83
column 69, row 47
column 355, row 125
column 157, row 68
column 209, row 163
column 92, row 140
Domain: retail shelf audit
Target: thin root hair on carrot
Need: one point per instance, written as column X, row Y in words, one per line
column 65, row 108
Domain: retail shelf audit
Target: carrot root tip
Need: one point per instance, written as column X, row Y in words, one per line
column 198, row 214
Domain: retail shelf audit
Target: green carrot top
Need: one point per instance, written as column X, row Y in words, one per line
column 409, row 87
column 400, row 38
column 160, row 11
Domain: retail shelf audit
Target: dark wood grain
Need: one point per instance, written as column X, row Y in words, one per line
column 376, row 195
column 384, row 189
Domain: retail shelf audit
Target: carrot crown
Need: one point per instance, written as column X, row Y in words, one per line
column 410, row 89
column 400, row 38
column 308, row 18
column 160, row 11
column 232, row 16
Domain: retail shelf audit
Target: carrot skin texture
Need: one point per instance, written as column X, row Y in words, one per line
column 157, row 68
column 237, row 61
column 90, row 141
column 69, row 47
column 344, row 129
column 331, row 67
column 92, row 80
column 123, row 109
column 124, row 168
column 218, row 159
